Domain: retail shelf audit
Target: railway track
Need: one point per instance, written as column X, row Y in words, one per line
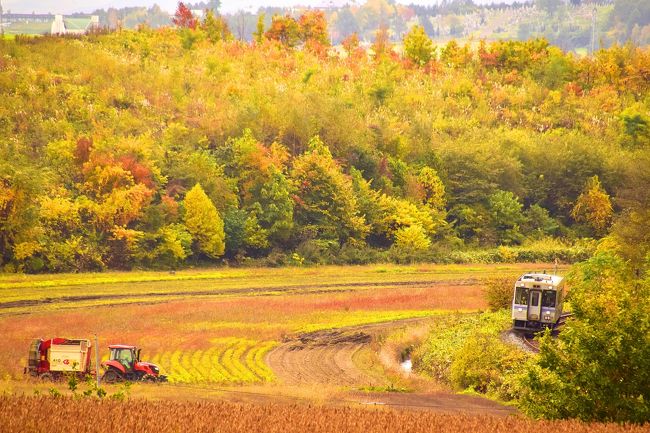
column 530, row 342
column 529, row 339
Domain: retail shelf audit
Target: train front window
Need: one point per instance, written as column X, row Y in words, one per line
column 521, row 296
column 534, row 299
column 548, row 299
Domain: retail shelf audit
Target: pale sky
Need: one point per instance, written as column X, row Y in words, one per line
column 227, row 6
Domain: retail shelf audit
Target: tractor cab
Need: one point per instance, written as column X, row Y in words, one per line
column 128, row 356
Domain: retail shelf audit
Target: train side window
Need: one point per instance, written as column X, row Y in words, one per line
column 548, row 298
column 521, row 296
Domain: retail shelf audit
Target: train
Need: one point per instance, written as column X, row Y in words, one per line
column 537, row 302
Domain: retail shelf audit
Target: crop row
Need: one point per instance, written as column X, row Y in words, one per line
column 228, row 360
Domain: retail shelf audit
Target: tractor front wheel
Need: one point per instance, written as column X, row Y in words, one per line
column 111, row 376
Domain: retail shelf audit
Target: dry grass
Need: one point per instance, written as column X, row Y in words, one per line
column 30, row 414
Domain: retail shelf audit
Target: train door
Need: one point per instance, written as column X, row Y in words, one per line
column 535, row 305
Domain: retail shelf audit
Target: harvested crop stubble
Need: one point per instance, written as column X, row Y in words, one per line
column 42, row 414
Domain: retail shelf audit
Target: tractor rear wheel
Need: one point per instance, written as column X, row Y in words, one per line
column 112, row 376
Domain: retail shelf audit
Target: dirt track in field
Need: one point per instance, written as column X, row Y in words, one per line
column 327, row 358
column 323, row 357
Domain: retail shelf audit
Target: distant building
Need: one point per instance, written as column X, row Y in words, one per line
column 73, row 26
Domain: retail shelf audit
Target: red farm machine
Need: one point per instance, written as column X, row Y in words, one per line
column 124, row 364
column 54, row 358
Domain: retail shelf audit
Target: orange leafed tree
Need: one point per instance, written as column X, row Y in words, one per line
column 313, row 27
column 285, row 30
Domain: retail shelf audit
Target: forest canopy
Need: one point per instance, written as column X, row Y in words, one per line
column 169, row 147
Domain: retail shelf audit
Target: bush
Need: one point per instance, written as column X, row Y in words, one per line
column 498, row 292
column 276, row 259
column 543, row 250
column 317, row 251
column 466, row 352
column 483, row 364
column 358, row 255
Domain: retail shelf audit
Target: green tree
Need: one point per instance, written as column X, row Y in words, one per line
column 636, row 126
column 598, row 368
column 216, row 28
column 507, row 216
column 204, row 223
column 539, row 223
column 265, row 193
column 325, row 201
column 418, row 48
column 259, row 29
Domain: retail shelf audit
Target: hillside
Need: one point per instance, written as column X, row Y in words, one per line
column 163, row 148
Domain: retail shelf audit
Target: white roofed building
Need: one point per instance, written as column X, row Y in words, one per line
column 73, row 26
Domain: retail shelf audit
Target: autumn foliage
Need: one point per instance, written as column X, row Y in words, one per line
column 426, row 151
column 184, row 18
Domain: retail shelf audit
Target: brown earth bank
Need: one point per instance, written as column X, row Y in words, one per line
column 53, row 415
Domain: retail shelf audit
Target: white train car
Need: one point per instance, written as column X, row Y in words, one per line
column 537, row 301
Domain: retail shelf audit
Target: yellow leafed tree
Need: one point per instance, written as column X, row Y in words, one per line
column 593, row 207
column 204, row 223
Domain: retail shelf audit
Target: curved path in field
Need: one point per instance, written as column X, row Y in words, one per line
column 324, row 361
column 327, row 358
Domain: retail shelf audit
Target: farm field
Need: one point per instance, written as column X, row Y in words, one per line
column 306, row 332
column 62, row 415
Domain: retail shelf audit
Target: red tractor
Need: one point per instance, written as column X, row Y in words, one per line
column 124, row 364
